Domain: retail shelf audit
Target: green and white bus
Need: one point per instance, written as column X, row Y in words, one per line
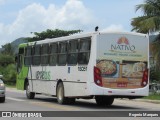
column 98, row 65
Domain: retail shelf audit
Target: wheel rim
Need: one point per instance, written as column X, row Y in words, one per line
column 60, row 94
column 27, row 90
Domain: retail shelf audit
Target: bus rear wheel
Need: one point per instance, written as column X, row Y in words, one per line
column 30, row 95
column 104, row 100
column 60, row 94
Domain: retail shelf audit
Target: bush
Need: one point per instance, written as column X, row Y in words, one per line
column 154, row 76
column 9, row 74
column 7, row 68
column 153, row 97
column 6, row 59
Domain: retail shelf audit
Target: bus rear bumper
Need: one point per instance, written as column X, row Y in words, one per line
column 120, row 92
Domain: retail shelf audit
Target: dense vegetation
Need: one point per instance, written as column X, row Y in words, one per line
column 52, row 34
column 7, row 64
column 149, row 23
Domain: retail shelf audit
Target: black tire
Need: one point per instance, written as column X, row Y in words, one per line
column 110, row 101
column 104, row 100
column 30, row 95
column 61, row 99
column 71, row 100
column 2, row 99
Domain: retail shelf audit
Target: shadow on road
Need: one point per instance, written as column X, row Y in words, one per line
column 87, row 104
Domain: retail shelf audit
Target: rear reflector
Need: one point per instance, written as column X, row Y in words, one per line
column 145, row 78
column 97, row 76
column 109, row 91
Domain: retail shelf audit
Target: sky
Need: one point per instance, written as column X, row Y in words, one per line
column 19, row 18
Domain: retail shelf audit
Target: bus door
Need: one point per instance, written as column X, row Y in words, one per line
column 20, row 62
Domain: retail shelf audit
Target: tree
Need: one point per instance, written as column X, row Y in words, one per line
column 52, row 34
column 150, row 21
column 7, row 49
column 9, row 73
column 7, row 68
column 6, row 60
column 155, row 51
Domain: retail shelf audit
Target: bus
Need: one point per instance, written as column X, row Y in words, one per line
column 99, row 65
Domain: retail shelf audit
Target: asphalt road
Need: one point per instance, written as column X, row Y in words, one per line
column 17, row 101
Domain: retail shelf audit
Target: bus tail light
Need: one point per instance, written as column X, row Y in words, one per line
column 97, row 76
column 145, row 78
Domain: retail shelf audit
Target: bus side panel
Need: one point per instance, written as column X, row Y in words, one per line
column 92, row 63
column 77, row 80
column 42, row 81
column 75, row 89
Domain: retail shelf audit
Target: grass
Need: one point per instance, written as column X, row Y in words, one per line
column 153, row 97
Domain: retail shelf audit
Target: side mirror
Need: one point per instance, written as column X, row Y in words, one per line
column 1, row 76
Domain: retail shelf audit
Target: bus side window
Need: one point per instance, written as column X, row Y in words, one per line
column 84, row 51
column 72, row 52
column 53, row 54
column 62, row 53
column 36, row 55
column 44, row 54
column 28, row 56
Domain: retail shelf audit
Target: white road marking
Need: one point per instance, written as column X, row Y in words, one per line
column 15, row 99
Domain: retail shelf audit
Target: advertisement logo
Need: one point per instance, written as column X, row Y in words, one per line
column 123, row 40
column 123, row 45
column 43, row 75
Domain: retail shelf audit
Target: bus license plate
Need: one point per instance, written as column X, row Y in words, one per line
column 121, row 84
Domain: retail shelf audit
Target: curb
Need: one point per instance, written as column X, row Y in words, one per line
column 144, row 100
column 148, row 100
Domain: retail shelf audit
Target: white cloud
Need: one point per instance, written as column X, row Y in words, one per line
column 114, row 28
column 36, row 18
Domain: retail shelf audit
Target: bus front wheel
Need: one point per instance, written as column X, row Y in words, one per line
column 104, row 100
column 30, row 95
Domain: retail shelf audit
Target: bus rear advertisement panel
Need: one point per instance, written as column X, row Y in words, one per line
column 123, row 60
